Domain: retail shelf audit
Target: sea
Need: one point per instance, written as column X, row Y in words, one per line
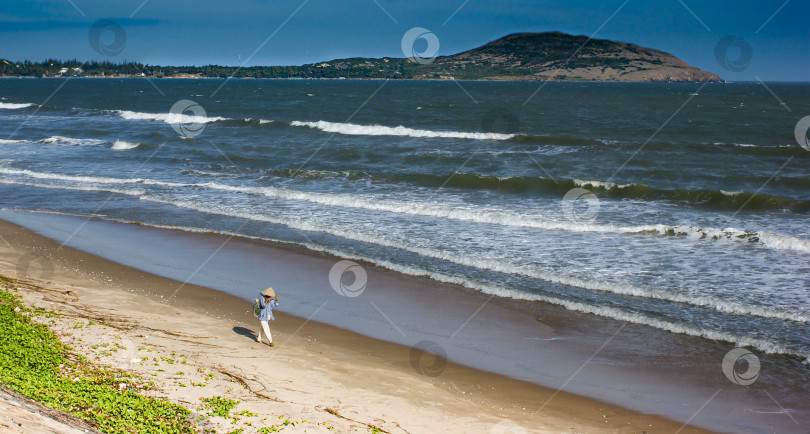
column 681, row 207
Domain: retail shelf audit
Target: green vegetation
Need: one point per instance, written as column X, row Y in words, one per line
column 282, row 425
column 218, row 406
column 35, row 364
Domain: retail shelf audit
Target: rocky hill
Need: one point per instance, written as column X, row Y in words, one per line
column 559, row 56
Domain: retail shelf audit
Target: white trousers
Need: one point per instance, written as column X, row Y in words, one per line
column 266, row 328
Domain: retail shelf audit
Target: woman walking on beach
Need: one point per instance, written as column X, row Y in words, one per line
column 268, row 300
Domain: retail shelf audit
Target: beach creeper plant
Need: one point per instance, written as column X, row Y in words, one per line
column 218, row 406
column 35, row 364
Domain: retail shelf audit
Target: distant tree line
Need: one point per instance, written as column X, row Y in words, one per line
column 347, row 68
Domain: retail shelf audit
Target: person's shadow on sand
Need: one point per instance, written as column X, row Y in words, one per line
column 245, row 332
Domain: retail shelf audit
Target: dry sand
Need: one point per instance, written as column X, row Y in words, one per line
column 202, row 344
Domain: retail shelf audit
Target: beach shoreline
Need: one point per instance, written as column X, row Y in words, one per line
column 101, row 285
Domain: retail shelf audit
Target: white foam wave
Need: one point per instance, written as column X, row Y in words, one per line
column 621, row 288
column 380, row 130
column 768, row 239
column 738, row 145
column 783, row 242
column 261, row 121
column 498, row 217
column 477, row 215
column 122, row 145
column 10, row 142
column 60, row 140
column 599, row 184
column 90, row 179
column 206, row 174
column 169, row 118
column 14, row 106
column 133, row 192
column 603, row 311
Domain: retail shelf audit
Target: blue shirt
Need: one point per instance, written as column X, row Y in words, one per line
column 267, row 308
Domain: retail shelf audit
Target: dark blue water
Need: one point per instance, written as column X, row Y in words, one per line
column 680, row 206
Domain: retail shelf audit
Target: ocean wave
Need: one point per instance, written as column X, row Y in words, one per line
column 181, row 118
column 501, row 266
column 602, row 185
column 602, row 311
column 11, row 142
column 90, row 188
column 380, row 130
column 253, row 122
column 122, row 145
column 169, row 118
column 783, row 242
column 714, row 199
column 505, row 292
column 14, row 106
column 90, row 179
column 564, row 141
column 60, row 140
column 499, row 217
column 738, row 145
column 205, row 174
column 476, row 215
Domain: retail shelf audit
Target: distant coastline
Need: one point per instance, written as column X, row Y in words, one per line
column 550, row 56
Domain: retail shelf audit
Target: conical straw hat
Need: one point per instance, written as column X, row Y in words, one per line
column 269, row 292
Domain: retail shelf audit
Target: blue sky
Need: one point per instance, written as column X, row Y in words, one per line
column 183, row 32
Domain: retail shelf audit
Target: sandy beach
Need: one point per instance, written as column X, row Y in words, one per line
column 202, row 344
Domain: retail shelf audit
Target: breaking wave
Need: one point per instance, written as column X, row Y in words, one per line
column 380, row 130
